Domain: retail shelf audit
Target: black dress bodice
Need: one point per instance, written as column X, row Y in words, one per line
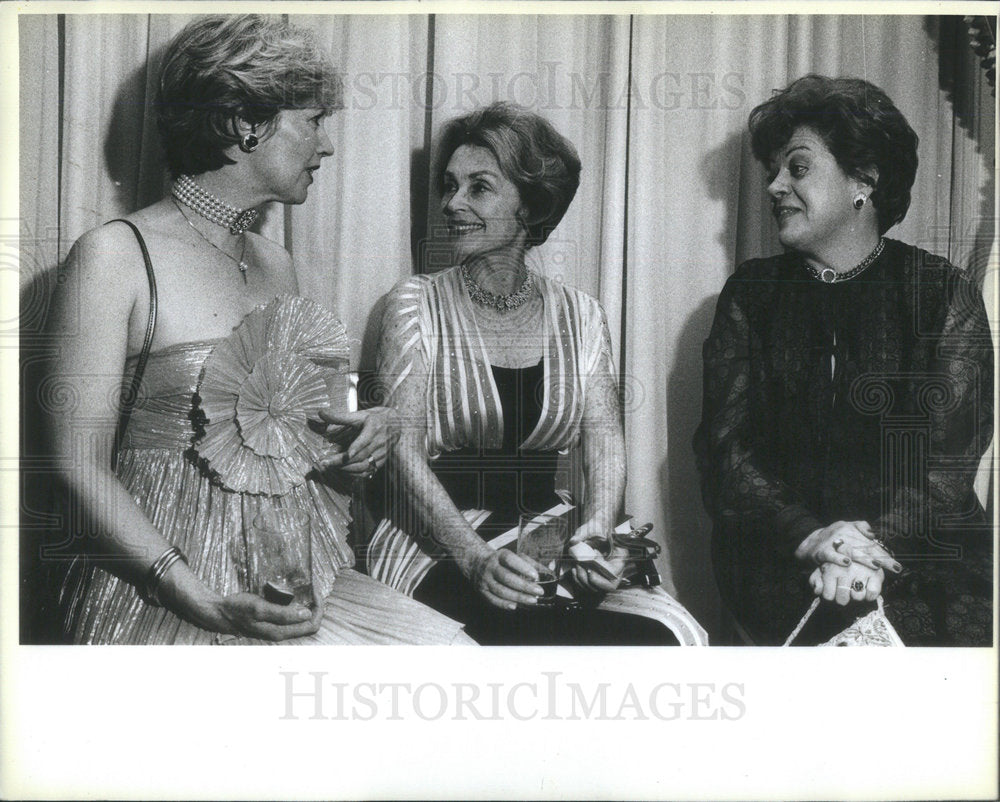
column 509, row 480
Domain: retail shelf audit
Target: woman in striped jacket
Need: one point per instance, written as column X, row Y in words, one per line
column 503, row 380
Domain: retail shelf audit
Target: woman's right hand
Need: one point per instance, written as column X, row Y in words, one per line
column 503, row 578
column 252, row 616
column 843, row 584
column 844, row 542
column 241, row 614
column 368, row 434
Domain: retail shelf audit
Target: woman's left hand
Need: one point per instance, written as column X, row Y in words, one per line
column 589, row 578
column 846, row 541
column 370, row 431
column 846, row 583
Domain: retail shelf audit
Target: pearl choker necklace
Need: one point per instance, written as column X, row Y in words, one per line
column 212, row 208
column 830, row 276
column 502, row 303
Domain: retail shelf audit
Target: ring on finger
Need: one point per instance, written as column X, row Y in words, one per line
column 372, row 467
column 857, row 586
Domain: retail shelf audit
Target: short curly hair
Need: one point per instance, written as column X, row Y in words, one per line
column 221, row 68
column 858, row 123
column 537, row 159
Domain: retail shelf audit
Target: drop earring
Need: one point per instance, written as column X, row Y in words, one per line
column 249, row 142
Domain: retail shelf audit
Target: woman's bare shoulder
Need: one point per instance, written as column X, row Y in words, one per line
column 109, row 252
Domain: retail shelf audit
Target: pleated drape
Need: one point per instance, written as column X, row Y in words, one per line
column 670, row 198
column 351, row 239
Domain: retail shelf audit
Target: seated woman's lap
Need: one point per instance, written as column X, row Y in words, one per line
column 768, row 594
column 447, row 590
column 940, row 602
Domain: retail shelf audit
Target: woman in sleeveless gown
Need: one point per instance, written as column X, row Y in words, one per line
column 239, row 407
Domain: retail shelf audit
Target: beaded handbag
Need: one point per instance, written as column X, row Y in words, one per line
column 872, row 629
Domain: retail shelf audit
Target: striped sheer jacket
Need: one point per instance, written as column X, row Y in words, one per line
column 429, row 328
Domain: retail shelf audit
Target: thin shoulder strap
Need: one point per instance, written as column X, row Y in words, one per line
column 131, row 395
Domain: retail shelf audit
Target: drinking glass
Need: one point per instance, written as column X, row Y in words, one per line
column 280, row 547
column 541, row 540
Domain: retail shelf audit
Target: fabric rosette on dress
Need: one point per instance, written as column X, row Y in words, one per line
column 261, row 387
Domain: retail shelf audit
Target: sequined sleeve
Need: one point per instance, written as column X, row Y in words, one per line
column 401, row 346
column 601, row 360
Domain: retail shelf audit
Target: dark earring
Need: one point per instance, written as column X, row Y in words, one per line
column 859, row 201
column 250, row 142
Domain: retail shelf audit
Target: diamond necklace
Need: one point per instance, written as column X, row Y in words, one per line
column 830, row 276
column 239, row 262
column 192, row 195
column 502, row 303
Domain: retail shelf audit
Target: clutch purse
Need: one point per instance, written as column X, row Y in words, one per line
column 872, row 629
column 640, row 564
column 640, row 557
column 639, row 570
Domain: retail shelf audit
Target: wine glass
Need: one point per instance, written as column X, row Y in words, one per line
column 541, row 540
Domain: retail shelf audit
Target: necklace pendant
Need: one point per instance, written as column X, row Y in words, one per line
column 828, row 275
column 243, row 271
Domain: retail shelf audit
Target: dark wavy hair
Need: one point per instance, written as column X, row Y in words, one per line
column 858, row 123
column 537, row 159
column 222, row 68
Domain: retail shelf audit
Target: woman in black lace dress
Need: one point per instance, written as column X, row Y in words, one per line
column 847, row 393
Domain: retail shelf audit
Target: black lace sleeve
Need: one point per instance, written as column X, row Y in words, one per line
column 736, row 490
column 955, row 397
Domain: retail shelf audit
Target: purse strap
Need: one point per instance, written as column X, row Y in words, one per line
column 131, row 395
column 806, row 617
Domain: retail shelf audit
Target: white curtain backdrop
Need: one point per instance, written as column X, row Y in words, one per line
column 670, row 197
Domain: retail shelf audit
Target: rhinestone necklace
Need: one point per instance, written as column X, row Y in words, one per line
column 830, row 276
column 502, row 303
column 212, row 208
column 242, row 265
